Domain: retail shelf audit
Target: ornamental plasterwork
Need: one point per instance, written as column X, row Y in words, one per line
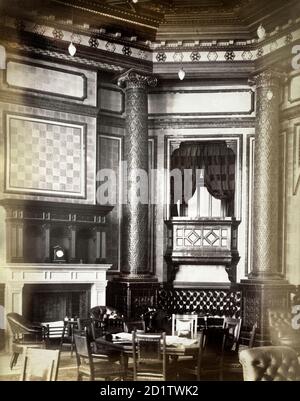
column 213, row 51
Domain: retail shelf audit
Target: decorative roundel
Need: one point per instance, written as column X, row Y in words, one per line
column 126, row 51
column 57, row 34
column 161, row 57
column 195, row 56
column 229, row 55
column 93, row 42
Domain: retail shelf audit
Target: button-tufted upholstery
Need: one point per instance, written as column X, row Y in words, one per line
column 281, row 330
column 272, row 363
column 106, row 319
column 213, row 302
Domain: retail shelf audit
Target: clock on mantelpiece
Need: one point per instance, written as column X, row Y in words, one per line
column 59, row 254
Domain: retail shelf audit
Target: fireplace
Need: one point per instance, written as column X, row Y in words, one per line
column 50, row 292
column 48, row 302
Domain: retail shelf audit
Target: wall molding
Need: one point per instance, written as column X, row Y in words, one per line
column 31, row 100
column 46, row 67
column 186, row 123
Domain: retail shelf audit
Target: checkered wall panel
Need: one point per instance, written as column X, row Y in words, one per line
column 45, row 156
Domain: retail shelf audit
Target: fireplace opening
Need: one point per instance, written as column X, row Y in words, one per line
column 54, row 302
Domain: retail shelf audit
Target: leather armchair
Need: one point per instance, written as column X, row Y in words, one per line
column 106, row 320
column 271, row 363
column 281, row 330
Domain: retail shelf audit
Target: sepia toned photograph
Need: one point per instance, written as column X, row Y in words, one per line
column 149, row 193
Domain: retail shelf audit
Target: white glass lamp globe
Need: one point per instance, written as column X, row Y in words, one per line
column 181, row 74
column 72, row 49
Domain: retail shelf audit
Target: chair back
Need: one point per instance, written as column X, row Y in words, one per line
column 138, row 325
column 20, row 325
column 40, row 365
column 82, row 346
column 270, row 363
column 149, row 349
column 184, row 325
column 253, row 335
column 87, row 325
column 233, row 328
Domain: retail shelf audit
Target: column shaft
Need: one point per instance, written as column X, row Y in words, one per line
column 135, row 213
column 266, row 170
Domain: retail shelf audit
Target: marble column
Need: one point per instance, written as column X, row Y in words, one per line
column 135, row 290
column 265, row 287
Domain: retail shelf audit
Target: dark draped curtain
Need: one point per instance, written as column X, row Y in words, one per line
column 218, row 163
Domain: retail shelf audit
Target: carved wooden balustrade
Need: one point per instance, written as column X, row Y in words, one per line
column 202, row 241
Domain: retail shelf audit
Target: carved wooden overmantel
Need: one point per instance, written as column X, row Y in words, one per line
column 202, row 242
column 31, row 226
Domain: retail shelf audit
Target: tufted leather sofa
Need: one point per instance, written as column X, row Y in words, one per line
column 212, row 302
column 272, row 363
column 281, row 330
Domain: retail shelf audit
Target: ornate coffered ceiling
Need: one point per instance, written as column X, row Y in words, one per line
column 163, row 20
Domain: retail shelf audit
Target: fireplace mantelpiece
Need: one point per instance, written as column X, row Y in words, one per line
column 34, row 228
column 16, row 275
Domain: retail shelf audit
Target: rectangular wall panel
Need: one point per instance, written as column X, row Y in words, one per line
column 111, row 100
column 45, row 156
column 40, row 78
column 202, row 102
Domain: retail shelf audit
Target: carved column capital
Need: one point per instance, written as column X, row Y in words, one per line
column 272, row 77
column 136, row 80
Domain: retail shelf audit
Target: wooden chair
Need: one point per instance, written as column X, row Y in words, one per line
column 230, row 360
column 149, row 356
column 94, row 366
column 25, row 334
column 40, row 365
column 191, row 366
column 184, row 325
column 67, row 337
column 233, row 330
column 212, row 352
column 138, row 325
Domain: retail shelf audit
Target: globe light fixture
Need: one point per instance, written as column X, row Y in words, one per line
column 181, row 74
column 72, row 49
column 261, row 32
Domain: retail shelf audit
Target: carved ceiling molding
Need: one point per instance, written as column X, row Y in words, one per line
column 197, row 52
column 14, row 46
